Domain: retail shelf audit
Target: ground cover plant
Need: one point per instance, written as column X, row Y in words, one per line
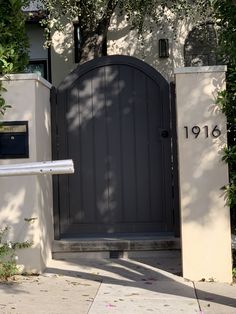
column 8, row 254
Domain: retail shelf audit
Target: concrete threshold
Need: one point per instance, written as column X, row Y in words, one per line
column 112, row 247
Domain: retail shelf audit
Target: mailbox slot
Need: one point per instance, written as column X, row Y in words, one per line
column 14, row 140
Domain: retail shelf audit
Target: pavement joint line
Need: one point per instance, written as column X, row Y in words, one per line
column 95, row 295
column 198, row 302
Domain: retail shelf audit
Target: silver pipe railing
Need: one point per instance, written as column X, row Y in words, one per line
column 38, row 168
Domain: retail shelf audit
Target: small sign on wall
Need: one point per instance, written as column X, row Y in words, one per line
column 14, row 139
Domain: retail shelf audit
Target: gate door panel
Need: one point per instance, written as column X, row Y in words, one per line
column 113, row 120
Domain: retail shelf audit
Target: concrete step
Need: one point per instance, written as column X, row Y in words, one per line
column 112, row 247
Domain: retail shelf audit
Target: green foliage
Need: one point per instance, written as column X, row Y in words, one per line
column 3, row 105
column 94, row 16
column 13, row 42
column 13, row 38
column 92, row 11
column 234, row 265
column 225, row 15
column 230, row 158
column 8, row 257
column 225, row 12
column 234, row 273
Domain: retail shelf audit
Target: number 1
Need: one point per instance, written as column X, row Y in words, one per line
column 206, row 130
column 186, row 129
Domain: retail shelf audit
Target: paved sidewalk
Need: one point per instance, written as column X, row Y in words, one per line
column 138, row 285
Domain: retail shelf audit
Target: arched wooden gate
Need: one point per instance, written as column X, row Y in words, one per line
column 113, row 119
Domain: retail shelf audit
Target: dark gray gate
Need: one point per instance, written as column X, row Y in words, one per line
column 113, row 119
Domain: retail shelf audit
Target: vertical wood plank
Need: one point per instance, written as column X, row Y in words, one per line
column 128, row 143
column 55, row 178
column 63, row 154
column 76, row 211
column 87, row 148
column 101, row 213
column 114, row 142
column 155, row 151
column 142, row 147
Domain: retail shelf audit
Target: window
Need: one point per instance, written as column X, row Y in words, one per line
column 77, row 40
column 39, row 56
column 37, row 66
column 201, row 46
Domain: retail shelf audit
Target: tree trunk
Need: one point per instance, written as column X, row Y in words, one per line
column 93, row 41
column 92, row 45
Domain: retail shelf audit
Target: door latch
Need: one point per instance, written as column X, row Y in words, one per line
column 164, row 133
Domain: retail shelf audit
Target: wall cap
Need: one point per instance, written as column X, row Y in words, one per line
column 26, row 76
column 203, row 69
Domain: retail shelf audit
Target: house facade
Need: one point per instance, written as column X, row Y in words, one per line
column 139, row 158
column 165, row 48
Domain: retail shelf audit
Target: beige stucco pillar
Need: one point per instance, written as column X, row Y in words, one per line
column 205, row 219
column 26, row 201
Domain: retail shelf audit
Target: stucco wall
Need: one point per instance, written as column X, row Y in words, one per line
column 27, row 197
column 205, row 218
column 121, row 40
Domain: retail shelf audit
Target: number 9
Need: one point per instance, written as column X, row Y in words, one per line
column 196, row 130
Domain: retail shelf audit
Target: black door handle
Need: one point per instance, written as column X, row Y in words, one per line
column 164, row 133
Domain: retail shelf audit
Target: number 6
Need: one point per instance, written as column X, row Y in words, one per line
column 216, row 132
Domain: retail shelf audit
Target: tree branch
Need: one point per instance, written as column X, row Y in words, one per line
column 111, row 5
column 104, row 22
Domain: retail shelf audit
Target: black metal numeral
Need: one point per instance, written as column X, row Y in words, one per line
column 216, row 132
column 186, row 130
column 206, row 130
column 196, row 130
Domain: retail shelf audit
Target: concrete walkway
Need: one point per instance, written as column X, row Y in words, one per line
column 148, row 284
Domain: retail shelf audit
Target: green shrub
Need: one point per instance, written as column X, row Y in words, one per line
column 8, row 257
column 225, row 13
column 13, row 42
column 13, row 39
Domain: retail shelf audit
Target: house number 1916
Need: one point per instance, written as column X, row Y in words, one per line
column 196, row 130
